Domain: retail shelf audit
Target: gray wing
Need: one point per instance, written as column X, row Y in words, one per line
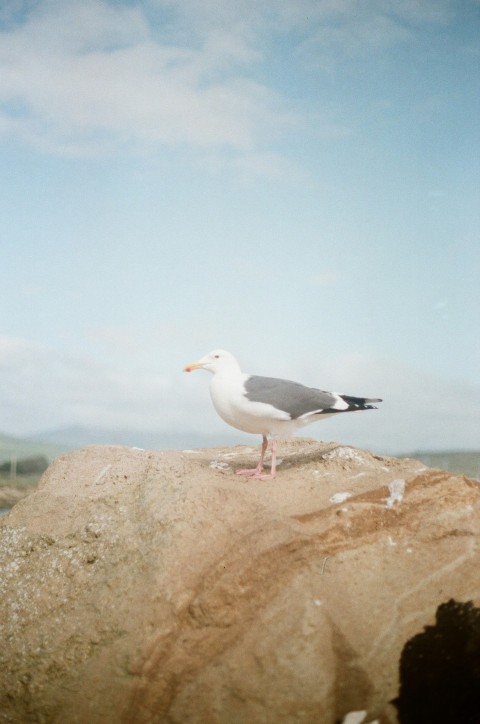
column 291, row 397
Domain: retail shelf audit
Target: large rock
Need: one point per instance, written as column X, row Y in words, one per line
column 141, row 586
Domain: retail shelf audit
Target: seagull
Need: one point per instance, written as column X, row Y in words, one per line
column 268, row 406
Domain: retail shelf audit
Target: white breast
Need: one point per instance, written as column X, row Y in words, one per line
column 228, row 397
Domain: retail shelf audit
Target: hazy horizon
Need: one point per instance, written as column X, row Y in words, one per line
column 75, row 436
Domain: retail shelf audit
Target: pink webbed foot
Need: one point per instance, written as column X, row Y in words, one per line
column 250, row 472
column 257, row 473
column 266, row 476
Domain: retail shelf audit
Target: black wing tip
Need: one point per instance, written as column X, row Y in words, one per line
column 360, row 403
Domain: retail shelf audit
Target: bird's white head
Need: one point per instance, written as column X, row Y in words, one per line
column 217, row 361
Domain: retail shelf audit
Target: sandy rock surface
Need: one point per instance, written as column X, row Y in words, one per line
column 140, row 586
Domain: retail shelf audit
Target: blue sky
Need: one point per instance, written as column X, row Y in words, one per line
column 296, row 182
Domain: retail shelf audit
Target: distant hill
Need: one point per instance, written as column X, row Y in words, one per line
column 24, row 448
column 54, row 442
column 77, row 436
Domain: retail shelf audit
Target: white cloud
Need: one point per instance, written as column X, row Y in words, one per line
column 419, row 410
column 385, row 15
column 84, row 76
column 332, row 31
column 77, row 70
column 43, row 389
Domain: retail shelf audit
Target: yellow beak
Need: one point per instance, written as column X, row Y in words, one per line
column 193, row 366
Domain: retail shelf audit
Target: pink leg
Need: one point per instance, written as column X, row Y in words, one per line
column 273, row 468
column 257, row 472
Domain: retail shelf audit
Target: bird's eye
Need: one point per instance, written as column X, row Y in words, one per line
column 217, row 356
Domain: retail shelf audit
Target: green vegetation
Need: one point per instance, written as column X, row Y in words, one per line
column 22, row 463
column 20, row 475
column 34, row 465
